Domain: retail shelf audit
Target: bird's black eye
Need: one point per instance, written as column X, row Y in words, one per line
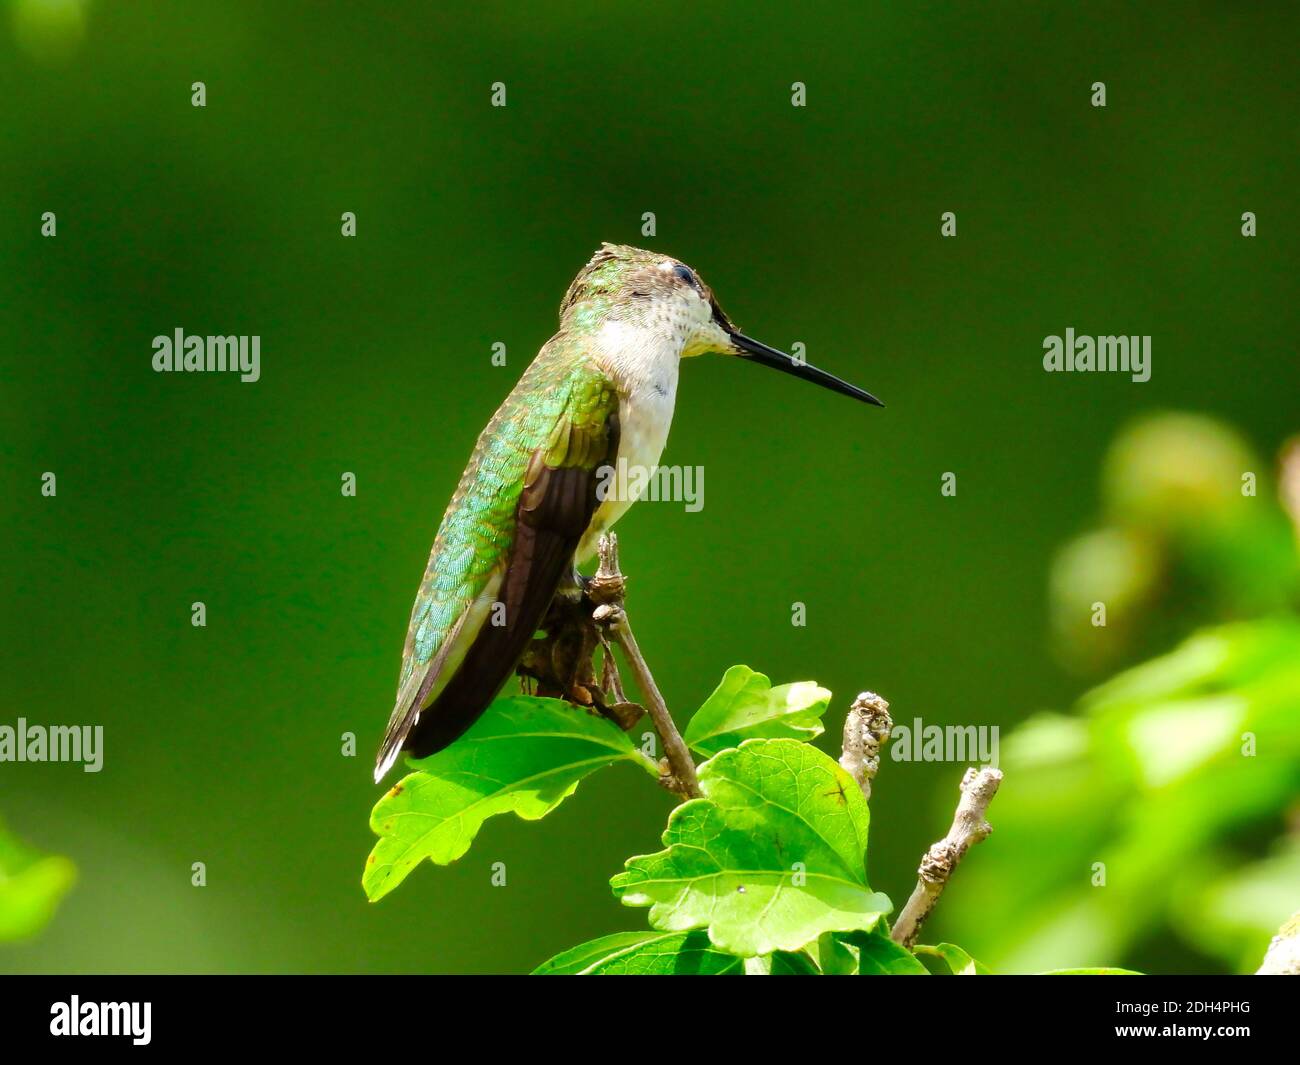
column 684, row 272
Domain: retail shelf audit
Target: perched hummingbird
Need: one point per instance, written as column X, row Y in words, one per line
column 527, row 510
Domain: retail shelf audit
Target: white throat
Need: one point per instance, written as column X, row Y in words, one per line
column 643, row 366
column 640, row 361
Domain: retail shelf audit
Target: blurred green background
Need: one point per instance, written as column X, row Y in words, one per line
column 816, row 224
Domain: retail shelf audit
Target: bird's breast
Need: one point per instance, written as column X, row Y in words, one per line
column 644, row 417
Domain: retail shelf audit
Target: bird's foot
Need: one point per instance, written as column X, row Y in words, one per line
column 573, row 588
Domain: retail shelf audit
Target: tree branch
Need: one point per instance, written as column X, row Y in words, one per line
column 969, row 827
column 866, row 730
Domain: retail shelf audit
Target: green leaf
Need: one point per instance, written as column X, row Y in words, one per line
column 788, row 963
column 1090, row 972
column 663, row 954
column 958, row 961
column 834, row 956
column 878, row 955
column 524, row 755
column 31, row 886
column 770, row 858
column 622, row 952
column 746, row 706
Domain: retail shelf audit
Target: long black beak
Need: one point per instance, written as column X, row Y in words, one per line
column 778, row 360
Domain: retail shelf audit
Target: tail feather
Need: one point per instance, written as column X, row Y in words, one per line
column 398, row 727
column 416, row 691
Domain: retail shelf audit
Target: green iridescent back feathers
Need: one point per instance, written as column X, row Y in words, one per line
column 560, row 406
column 553, row 397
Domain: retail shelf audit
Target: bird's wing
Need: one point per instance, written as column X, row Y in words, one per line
column 508, row 536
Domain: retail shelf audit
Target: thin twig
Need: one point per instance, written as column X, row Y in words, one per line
column 606, row 588
column 679, row 756
column 969, row 827
column 866, row 730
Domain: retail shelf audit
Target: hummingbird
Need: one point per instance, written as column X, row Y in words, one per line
column 529, row 508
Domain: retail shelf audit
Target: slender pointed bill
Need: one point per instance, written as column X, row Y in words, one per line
column 749, row 348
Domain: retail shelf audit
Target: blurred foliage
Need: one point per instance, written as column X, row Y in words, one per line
column 31, row 886
column 1192, row 532
column 1232, row 906
column 1167, row 803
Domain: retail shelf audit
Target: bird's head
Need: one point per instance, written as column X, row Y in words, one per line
column 625, row 287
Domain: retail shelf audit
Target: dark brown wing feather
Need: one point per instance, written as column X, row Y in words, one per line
column 554, row 511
